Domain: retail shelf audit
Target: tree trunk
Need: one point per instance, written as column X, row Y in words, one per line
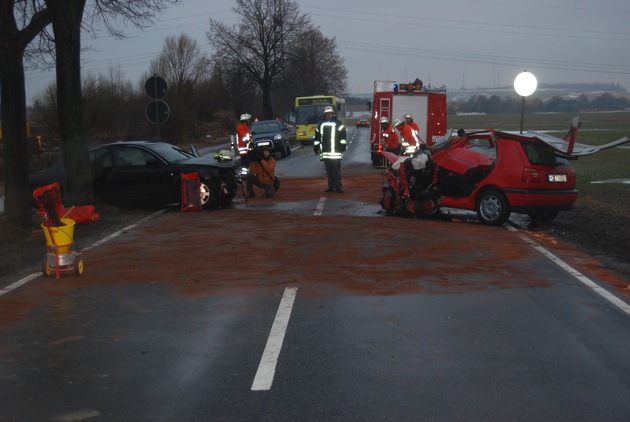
column 266, row 97
column 13, row 116
column 15, row 150
column 66, row 18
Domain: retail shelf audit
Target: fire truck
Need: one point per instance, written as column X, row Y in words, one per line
column 394, row 100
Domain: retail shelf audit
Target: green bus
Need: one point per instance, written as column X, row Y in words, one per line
column 310, row 110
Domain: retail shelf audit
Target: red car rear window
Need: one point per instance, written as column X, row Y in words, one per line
column 539, row 154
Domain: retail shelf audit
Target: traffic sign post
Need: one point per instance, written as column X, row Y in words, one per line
column 157, row 111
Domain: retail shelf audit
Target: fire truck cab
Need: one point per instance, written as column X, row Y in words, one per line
column 394, row 100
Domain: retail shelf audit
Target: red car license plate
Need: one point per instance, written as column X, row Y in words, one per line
column 557, row 177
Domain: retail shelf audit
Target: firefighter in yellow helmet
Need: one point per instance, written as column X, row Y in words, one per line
column 330, row 143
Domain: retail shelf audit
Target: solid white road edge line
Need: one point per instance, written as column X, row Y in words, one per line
column 267, row 367
column 19, row 283
column 119, row 232
column 623, row 306
column 320, row 206
column 33, row 276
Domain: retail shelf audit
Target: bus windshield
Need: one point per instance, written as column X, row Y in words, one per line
column 308, row 115
column 310, row 110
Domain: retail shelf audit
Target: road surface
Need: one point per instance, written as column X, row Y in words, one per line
column 315, row 306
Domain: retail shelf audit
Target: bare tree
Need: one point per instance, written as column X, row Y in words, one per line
column 259, row 44
column 67, row 17
column 15, row 35
column 316, row 66
column 110, row 109
column 239, row 89
column 184, row 67
column 44, row 112
column 181, row 62
column 106, row 101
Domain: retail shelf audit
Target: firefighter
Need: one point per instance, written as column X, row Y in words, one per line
column 409, row 141
column 389, row 137
column 409, row 121
column 415, row 129
column 243, row 139
column 330, row 143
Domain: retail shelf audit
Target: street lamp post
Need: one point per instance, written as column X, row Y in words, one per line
column 524, row 85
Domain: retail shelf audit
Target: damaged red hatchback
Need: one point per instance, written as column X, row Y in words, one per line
column 493, row 173
column 510, row 173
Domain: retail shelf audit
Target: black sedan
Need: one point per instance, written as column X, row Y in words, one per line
column 149, row 173
column 363, row 121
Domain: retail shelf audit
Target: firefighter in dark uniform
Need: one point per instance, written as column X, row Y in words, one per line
column 330, row 143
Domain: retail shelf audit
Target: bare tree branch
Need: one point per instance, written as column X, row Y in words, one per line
column 259, row 44
column 316, row 66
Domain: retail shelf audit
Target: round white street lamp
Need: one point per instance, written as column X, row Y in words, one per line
column 525, row 84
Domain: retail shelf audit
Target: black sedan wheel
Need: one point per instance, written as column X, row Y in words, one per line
column 206, row 194
column 492, row 207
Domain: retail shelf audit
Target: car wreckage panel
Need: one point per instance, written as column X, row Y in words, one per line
column 562, row 146
column 460, row 160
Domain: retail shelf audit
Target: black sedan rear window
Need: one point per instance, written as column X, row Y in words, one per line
column 170, row 153
column 265, row 127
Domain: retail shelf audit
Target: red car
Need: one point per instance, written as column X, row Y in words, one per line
column 495, row 173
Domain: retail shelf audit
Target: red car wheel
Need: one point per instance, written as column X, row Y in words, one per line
column 492, row 207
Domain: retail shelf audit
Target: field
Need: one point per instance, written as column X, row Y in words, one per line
column 600, row 220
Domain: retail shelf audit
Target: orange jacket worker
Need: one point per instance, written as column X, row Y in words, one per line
column 262, row 172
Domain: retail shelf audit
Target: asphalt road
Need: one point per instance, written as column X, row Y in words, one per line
column 315, row 306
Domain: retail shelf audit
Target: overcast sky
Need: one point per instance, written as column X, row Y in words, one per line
column 456, row 43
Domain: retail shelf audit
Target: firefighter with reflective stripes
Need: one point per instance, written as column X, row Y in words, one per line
column 243, row 139
column 415, row 129
column 389, row 137
column 330, row 143
column 408, row 136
